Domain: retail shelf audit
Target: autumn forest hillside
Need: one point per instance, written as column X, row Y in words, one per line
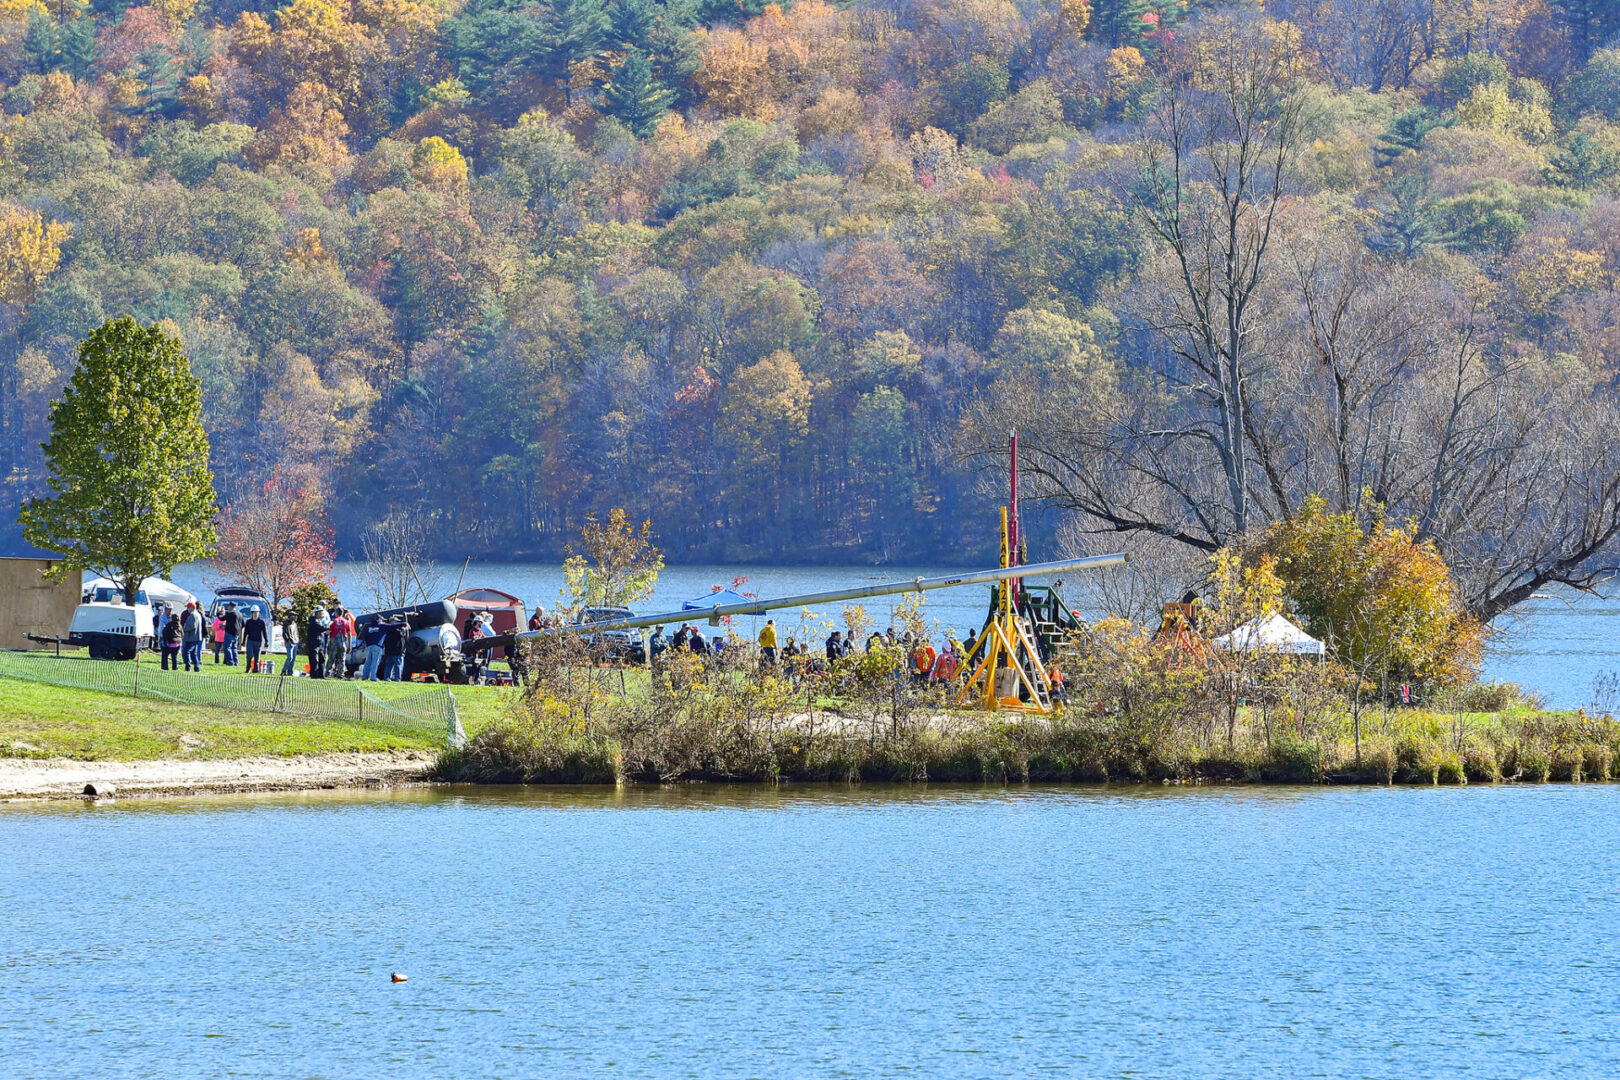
column 779, row 277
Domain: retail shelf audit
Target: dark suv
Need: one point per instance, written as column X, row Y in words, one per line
column 622, row 645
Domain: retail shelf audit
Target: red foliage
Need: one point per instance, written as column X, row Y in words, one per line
column 276, row 540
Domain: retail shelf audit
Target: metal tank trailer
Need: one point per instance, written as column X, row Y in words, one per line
column 434, row 646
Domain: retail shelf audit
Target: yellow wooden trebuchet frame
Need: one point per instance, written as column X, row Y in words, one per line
column 1011, row 661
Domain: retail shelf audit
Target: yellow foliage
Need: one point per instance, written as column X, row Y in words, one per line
column 767, row 410
column 176, row 13
column 1076, row 15
column 197, row 95
column 307, row 137
column 30, row 250
column 1550, row 269
column 17, row 10
column 751, row 71
column 320, row 20
column 306, row 251
column 126, row 92
column 400, row 18
column 1382, row 598
column 1124, row 68
column 1238, row 56
column 671, row 127
column 438, row 165
column 1242, row 593
column 837, row 113
column 1490, row 108
column 733, row 75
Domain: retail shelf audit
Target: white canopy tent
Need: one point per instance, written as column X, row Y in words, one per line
column 157, row 590
column 1271, row 633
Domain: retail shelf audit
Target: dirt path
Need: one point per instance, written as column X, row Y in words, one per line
column 59, row 778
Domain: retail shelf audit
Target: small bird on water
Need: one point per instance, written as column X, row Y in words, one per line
column 397, row 977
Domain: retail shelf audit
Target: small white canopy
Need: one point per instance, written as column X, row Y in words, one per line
column 1271, row 633
column 156, row 589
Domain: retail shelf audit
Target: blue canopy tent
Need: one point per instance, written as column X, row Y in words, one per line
column 709, row 601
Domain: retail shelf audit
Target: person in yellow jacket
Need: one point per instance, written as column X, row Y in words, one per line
column 767, row 644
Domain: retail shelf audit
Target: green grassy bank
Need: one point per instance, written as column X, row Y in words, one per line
column 38, row 720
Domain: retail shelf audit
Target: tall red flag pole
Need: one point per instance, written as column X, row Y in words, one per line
column 1012, row 496
column 1012, row 507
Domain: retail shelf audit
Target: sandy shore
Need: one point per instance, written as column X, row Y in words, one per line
column 60, row 778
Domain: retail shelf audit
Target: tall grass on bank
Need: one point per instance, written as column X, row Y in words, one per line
column 866, row 721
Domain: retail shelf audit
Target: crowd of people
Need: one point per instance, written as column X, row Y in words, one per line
column 240, row 636
column 331, row 637
column 332, row 634
column 924, row 663
column 920, row 660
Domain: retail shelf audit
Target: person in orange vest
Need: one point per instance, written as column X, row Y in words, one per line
column 1056, row 679
column 922, row 660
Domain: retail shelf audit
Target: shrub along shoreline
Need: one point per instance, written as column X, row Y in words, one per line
column 630, row 742
column 1138, row 719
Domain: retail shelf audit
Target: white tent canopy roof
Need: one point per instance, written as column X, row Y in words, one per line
column 1271, row 633
column 156, row 589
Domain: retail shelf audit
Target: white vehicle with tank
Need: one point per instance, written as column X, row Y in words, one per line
column 112, row 629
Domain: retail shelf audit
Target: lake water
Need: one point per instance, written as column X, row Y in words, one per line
column 829, row 932
column 1556, row 647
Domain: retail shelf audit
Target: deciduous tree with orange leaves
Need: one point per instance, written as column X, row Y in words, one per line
column 1374, row 592
column 275, row 540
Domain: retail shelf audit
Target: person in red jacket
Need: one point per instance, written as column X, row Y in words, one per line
column 337, row 644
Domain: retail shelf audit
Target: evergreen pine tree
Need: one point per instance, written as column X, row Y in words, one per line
column 634, row 96
column 633, row 21
column 1405, row 134
column 40, row 47
column 1409, row 223
column 577, row 30
column 1119, row 22
column 77, row 44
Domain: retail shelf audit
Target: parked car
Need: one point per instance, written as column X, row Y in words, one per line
column 623, row 645
column 247, row 601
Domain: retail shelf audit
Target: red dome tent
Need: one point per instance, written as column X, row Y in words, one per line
column 505, row 611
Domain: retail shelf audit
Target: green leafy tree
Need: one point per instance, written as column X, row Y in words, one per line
column 1586, row 161
column 1485, row 219
column 635, row 97
column 1465, row 74
column 971, row 87
column 1375, row 592
column 1596, row 88
column 128, row 458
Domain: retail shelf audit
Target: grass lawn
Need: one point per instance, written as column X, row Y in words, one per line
column 42, row 720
